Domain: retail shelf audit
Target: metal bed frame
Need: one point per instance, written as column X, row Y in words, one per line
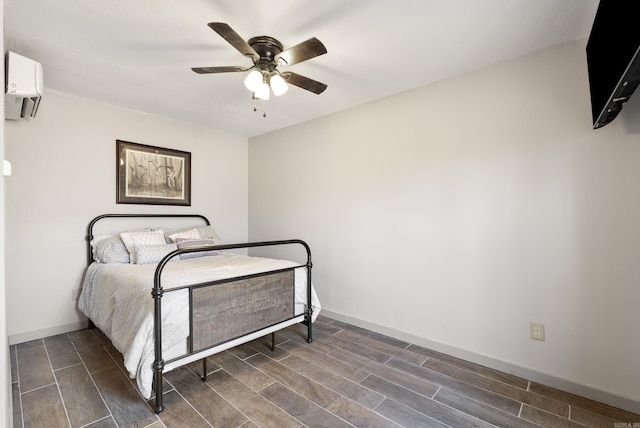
column 161, row 366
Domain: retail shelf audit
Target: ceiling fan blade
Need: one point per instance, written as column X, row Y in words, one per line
column 233, row 38
column 308, row 49
column 226, row 69
column 304, row 82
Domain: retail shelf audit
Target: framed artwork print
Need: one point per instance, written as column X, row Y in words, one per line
column 152, row 175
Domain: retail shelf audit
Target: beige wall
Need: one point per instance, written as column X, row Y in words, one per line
column 64, row 174
column 457, row 213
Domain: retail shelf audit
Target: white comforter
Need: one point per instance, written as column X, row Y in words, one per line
column 117, row 298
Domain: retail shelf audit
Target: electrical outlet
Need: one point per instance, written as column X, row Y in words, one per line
column 75, row 294
column 537, row 330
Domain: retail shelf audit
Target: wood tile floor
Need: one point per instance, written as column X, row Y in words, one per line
column 347, row 377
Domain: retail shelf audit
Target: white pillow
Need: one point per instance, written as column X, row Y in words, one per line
column 191, row 234
column 189, row 243
column 154, row 253
column 133, row 239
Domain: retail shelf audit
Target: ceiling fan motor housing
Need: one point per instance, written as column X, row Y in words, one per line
column 267, row 47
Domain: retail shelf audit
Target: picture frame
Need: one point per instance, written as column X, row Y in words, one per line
column 152, row 175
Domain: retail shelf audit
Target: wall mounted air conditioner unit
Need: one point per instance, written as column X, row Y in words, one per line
column 23, row 86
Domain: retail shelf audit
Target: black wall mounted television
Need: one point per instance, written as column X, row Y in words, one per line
column 613, row 59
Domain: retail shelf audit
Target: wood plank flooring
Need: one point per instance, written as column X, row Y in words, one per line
column 347, row 377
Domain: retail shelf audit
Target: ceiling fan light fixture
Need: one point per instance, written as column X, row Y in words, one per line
column 262, row 92
column 278, row 85
column 254, row 80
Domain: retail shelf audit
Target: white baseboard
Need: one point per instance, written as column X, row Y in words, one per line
column 526, row 373
column 46, row 332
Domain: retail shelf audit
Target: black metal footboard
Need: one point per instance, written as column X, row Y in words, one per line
column 204, row 338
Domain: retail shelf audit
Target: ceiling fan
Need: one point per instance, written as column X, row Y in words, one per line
column 267, row 54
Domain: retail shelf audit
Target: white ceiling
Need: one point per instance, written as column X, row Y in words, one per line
column 138, row 54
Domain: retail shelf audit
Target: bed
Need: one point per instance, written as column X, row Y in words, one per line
column 167, row 297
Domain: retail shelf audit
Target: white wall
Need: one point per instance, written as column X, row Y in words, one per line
column 5, row 364
column 457, row 213
column 64, row 174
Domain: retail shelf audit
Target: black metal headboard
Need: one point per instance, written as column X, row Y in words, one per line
column 92, row 223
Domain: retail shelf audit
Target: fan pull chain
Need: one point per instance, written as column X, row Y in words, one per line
column 264, row 113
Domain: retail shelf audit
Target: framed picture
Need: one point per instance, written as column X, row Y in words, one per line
column 152, row 175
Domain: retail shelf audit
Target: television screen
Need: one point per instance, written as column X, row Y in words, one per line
column 612, row 59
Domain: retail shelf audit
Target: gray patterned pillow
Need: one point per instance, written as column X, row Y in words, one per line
column 153, row 253
column 208, row 232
